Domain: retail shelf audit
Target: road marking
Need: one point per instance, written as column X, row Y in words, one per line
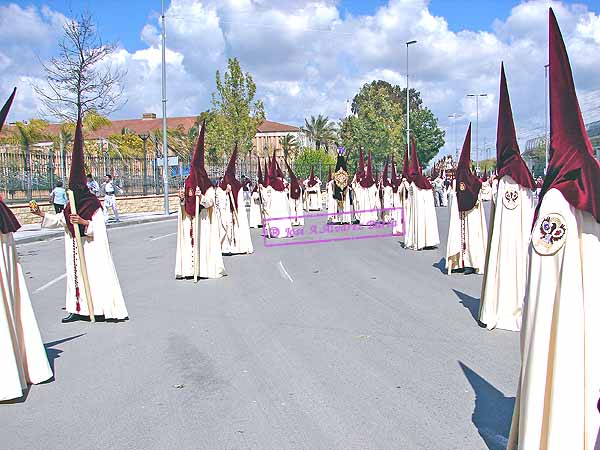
column 50, row 283
column 162, row 237
column 284, row 272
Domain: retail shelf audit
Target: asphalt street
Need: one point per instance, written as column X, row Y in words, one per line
column 356, row 344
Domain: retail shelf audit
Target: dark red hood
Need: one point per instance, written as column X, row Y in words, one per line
column 198, row 176
column 8, row 221
column 467, row 184
column 416, row 174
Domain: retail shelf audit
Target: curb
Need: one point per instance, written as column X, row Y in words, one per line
column 141, row 220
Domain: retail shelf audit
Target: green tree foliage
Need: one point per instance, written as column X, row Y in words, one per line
column 379, row 124
column 236, row 112
column 289, row 146
column 321, row 131
column 310, row 157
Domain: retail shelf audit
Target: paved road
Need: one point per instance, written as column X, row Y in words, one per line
column 348, row 345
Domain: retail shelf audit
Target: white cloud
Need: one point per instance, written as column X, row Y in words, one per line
column 307, row 57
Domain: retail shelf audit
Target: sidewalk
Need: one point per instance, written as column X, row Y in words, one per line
column 33, row 232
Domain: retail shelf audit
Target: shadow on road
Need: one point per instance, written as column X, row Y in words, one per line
column 441, row 266
column 493, row 411
column 471, row 303
column 54, row 353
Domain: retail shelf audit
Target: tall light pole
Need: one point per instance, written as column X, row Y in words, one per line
column 408, row 99
column 477, row 124
column 164, row 111
column 144, row 137
column 455, row 116
column 546, row 140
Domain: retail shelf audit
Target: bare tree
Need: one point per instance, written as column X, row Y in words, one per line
column 79, row 80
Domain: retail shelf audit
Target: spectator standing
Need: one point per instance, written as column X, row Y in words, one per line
column 58, row 197
column 110, row 188
column 92, row 185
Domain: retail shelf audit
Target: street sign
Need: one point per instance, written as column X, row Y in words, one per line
column 172, row 161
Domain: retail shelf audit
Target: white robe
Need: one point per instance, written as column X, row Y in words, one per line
column 22, row 354
column 344, row 211
column 369, row 204
column 107, row 297
column 398, row 213
column 331, row 204
column 297, row 211
column 313, row 194
column 233, row 233
column 388, row 202
column 422, row 229
column 486, row 191
column 405, row 203
column 210, row 259
column 503, row 287
column 278, row 207
column 475, row 230
column 559, row 383
column 255, row 217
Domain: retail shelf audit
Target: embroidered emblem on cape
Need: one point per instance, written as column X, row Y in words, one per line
column 462, row 186
column 549, row 234
column 341, row 179
column 511, row 198
column 190, row 193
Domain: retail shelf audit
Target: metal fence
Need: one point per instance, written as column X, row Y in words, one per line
column 33, row 175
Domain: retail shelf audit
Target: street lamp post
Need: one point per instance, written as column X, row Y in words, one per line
column 455, row 116
column 164, row 112
column 477, row 124
column 408, row 98
column 546, row 115
column 144, row 137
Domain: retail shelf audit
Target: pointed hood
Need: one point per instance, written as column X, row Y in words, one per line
column 416, row 174
column 276, row 176
column 295, row 190
column 360, row 172
column 508, row 156
column 467, row 184
column 367, row 181
column 406, row 167
column 229, row 178
column 198, row 176
column 572, row 168
column 312, row 180
column 8, row 221
column 267, row 177
column 86, row 203
column 395, row 181
column 386, row 180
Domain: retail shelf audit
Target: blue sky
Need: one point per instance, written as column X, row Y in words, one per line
column 123, row 20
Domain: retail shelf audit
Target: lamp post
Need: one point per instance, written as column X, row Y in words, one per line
column 455, row 116
column 408, row 98
column 164, row 112
column 144, row 137
column 477, row 124
column 546, row 116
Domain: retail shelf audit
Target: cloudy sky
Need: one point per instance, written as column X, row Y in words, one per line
column 310, row 56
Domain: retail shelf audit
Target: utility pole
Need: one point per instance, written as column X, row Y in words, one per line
column 408, row 99
column 477, row 124
column 164, row 111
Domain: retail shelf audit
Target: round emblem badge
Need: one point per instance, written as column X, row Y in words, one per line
column 191, row 193
column 462, row 186
column 511, row 198
column 549, row 234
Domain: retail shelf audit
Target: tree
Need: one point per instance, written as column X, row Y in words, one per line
column 289, row 145
column 320, row 130
column 236, row 113
column 27, row 134
column 313, row 158
column 379, row 124
column 78, row 80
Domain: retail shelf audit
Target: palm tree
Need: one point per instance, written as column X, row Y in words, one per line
column 29, row 133
column 320, row 130
column 288, row 144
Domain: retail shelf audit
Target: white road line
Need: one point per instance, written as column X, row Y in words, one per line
column 284, row 272
column 50, row 283
column 162, row 237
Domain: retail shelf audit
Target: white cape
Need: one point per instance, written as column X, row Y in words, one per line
column 210, row 259
column 255, row 217
column 278, row 207
column 297, row 211
column 422, row 230
column 559, row 384
column 234, row 230
column 22, row 354
column 503, row 287
column 107, row 297
column 475, row 237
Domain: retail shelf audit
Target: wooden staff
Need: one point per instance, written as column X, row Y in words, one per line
column 235, row 214
column 82, row 264
column 262, row 213
column 196, row 243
